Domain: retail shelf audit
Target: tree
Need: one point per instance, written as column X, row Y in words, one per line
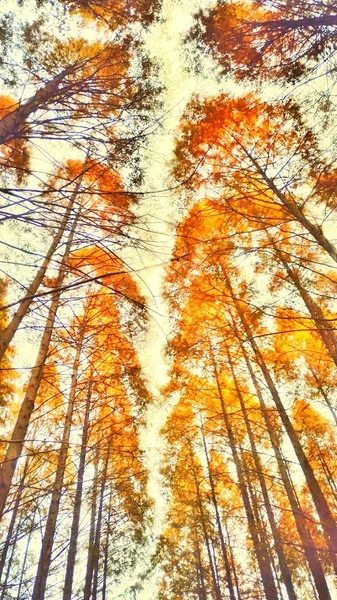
column 269, row 40
column 214, row 320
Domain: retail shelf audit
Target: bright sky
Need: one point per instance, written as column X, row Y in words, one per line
column 164, row 42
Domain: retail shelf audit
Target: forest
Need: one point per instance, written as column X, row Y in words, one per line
column 168, row 320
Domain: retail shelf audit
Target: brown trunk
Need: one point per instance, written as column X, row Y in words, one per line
column 68, row 581
column 299, row 517
column 97, row 544
column 218, row 522
column 315, row 23
column 13, row 125
column 295, row 211
column 285, row 571
column 323, row 326
column 260, row 523
column 8, row 333
column 106, row 551
column 12, row 523
column 236, row 579
column 48, row 539
column 5, row 585
column 327, row 521
column 217, row 592
column 325, row 396
column 90, row 555
column 23, row 568
column 262, row 559
column 202, row 594
column 20, row 429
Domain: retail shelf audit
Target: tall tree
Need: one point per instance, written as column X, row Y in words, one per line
column 269, row 39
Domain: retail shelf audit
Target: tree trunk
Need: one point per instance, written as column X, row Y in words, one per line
column 315, row 23
column 68, row 581
column 325, row 396
column 23, row 568
column 202, row 594
column 106, row 551
column 285, row 571
column 299, row 517
column 216, row 588
column 295, row 211
column 218, row 522
column 260, row 523
column 48, row 539
column 8, row 333
column 12, row 523
column 13, row 125
column 4, row 593
column 326, row 518
column 237, row 586
column 90, row 555
column 20, row 429
column 262, row 559
column 97, row 544
column 324, row 328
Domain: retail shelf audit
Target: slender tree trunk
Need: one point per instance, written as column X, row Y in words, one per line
column 215, row 563
column 96, row 549
column 324, row 328
column 202, row 594
column 216, row 588
column 218, row 521
column 20, row 429
column 68, row 581
column 8, row 333
column 23, row 568
column 262, row 559
column 285, row 571
column 260, row 522
column 48, row 539
column 326, row 518
column 325, row 395
column 90, row 555
column 106, row 551
column 236, row 579
column 294, row 210
column 300, row 520
column 12, row 523
column 315, row 23
column 9, row 566
column 13, row 125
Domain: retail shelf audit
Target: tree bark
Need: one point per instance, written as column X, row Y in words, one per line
column 20, row 429
column 98, row 532
column 12, row 125
column 23, row 568
column 262, row 559
column 216, row 588
column 218, row 522
column 8, row 333
column 300, row 520
column 90, row 555
column 285, row 571
column 48, row 539
column 324, row 328
column 326, row 518
column 294, row 210
column 68, row 581
column 291, row 24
